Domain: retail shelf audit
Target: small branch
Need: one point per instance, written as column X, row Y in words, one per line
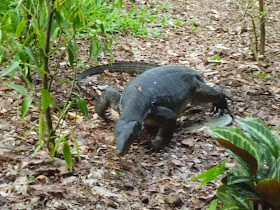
column 262, row 28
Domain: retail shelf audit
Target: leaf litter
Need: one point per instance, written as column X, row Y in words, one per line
column 144, row 179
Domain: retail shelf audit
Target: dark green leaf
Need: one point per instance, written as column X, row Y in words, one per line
column 28, row 51
column 71, row 55
column 25, row 106
column 262, row 135
column 57, row 144
column 83, row 107
column 46, row 99
column 239, row 140
column 67, row 155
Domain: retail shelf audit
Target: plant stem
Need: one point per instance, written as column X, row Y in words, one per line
column 262, row 27
column 51, row 132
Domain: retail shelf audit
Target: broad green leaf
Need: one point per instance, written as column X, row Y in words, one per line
column 46, row 99
column 42, row 127
column 244, row 189
column 210, row 174
column 41, row 39
column 98, row 52
column 20, row 28
column 57, row 144
column 92, row 49
column 274, row 172
column 37, row 68
column 28, row 51
column 25, row 106
column 232, row 200
column 245, row 155
column 71, row 55
column 213, row 205
column 261, row 134
column 239, row 179
column 83, row 107
column 224, row 195
column 0, row 35
column 67, row 155
column 240, row 140
column 19, row 89
column 77, row 147
column 269, row 189
column 10, row 69
column 35, row 27
column 55, row 34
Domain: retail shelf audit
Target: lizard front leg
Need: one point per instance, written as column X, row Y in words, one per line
column 109, row 98
column 167, row 121
column 206, row 94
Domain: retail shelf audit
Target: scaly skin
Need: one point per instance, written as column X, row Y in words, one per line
column 160, row 95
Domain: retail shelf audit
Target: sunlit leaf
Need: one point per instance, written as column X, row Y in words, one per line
column 10, row 69
column 213, row 205
column 19, row 89
column 37, row 68
column 20, row 28
column 77, row 147
column 210, row 174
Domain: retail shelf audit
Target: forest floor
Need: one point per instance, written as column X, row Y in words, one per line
column 143, row 179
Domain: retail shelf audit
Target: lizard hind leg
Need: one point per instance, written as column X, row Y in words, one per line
column 167, row 120
column 109, row 98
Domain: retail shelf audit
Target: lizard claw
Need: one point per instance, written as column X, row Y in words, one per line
column 222, row 105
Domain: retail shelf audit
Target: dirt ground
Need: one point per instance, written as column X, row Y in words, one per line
column 144, row 179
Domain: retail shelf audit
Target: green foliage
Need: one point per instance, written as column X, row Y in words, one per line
column 213, row 205
column 211, row 174
column 67, row 155
column 264, row 75
column 216, row 57
column 120, row 174
column 257, row 179
column 34, row 32
column 83, row 106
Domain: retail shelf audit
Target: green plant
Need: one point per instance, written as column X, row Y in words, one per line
column 264, row 75
column 255, row 183
column 216, row 57
column 31, row 33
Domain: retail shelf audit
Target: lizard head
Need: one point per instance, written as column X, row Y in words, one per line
column 126, row 133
